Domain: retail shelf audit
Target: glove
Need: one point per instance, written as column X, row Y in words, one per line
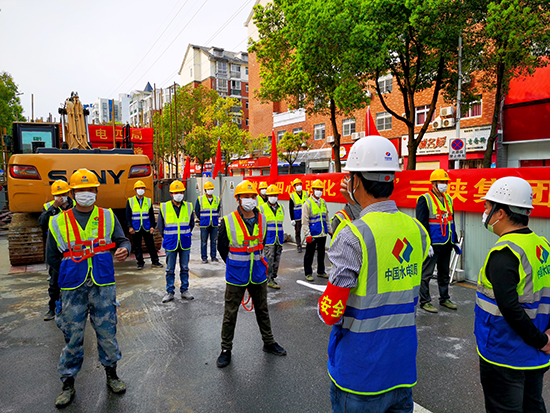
column 293, row 223
column 309, row 240
column 457, row 249
column 431, row 252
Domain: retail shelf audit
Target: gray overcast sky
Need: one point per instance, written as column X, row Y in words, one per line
column 53, row 47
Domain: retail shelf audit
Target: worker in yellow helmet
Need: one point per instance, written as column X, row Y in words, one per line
column 61, row 202
column 208, row 209
column 176, row 222
column 240, row 244
column 79, row 247
column 262, row 189
column 297, row 199
column 273, row 246
column 435, row 211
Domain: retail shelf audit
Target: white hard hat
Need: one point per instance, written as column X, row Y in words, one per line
column 511, row 191
column 375, row 157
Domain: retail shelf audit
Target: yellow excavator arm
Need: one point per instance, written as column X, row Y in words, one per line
column 75, row 128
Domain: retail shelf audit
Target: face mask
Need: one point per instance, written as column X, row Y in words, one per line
column 299, row 188
column 209, row 191
column 442, row 187
column 140, row 192
column 85, row 199
column 263, row 191
column 178, row 197
column 489, row 227
column 248, row 204
column 317, row 193
column 350, row 183
column 272, row 199
column 64, row 199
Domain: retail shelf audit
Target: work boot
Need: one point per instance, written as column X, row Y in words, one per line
column 323, row 275
column 309, row 277
column 67, row 393
column 224, row 359
column 50, row 315
column 273, row 284
column 156, row 265
column 449, row 304
column 215, row 259
column 205, row 261
column 113, row 382
column 140, row 267
column 274, row 348
column 299, row 248
column 429, row 308
column 186, row 295
column 168, row 297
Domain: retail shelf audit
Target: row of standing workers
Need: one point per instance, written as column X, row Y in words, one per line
column 381, row 261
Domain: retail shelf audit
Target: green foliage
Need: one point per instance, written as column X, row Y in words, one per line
column 290, row 145
column 10, row 105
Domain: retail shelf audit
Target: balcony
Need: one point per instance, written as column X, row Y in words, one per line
column 235, row 75
column 235, row 92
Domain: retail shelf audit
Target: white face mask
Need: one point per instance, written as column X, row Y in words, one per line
column 248, row 204
column 352, row 191
column 140, row 192
column 442, row 188
column 317, row 193
column 209, row 191
column 298, row 188
column 272, row 199
column 490, row 227
column 85, row 199
column 263, row 191
column 64, row 199
column 178, row 197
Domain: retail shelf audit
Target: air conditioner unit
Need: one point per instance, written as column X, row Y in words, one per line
column 448, row 123
column 361, row 134
column 436, row 124
column 330, row 139
column 355, row 136
column 448, row 111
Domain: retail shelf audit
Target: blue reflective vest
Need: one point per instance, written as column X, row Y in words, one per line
column 208, row 213
column 177, row 231
column 140, row 213
column 441, row 221
column 298, row 202
column 318, row 218
column 275, row 233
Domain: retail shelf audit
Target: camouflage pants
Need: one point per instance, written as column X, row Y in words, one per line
column 98, row 302
column 273, row 256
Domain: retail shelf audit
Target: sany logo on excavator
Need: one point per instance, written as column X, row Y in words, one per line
column 102, row 177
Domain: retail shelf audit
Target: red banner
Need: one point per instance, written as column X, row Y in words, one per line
column 466, row 188
column 101, row 136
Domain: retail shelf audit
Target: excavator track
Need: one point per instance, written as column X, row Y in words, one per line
column 25, row 239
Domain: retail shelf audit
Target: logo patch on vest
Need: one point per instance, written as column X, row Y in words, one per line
column 542, row 256
column 402, row 250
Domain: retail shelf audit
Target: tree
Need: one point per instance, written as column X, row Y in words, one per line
column 414, row 41
column 301, row 50
column 511, row 38
column 290, row 146
column 10, row 105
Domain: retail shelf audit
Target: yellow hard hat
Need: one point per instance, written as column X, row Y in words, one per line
column 209, row 185
column 60, row 187
column 317, row 184
column 245, row 187
column 296, row 182
column 139, row 184
column 439, row 175
column 272, row 190
column 177, row 186
column 263, row 185
column 83, row 178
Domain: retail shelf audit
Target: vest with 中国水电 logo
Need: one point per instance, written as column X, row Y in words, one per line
column 140, row 213
column 245, row 262
column 177, row 231
column 298, row 202
column 441, row 221
column 317, row 218
column 497, row 342
column 209, row 211
column 274, row 221
column 374, row 349
column 85, row 251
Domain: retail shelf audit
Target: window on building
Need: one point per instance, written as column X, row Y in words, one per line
column 191, row 72
column 246, row 121
column 296, row 131
column 246, row 86
column 421, row 113
column 222, row 69
column 319, row 132
column 246, row 104
column 280, row 135
column 348, row 127
column 385, row 83
column 222, row 85
column 383, row 121
column 236, row 87
column 246, row 70
column 236, row 71
column 472, row 110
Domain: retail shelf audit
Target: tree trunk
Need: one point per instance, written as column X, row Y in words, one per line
column 411, row 164
column 336, row 144
column 496, row 114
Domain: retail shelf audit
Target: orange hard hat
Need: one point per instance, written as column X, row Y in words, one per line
column 60, row 187
column 83, row 178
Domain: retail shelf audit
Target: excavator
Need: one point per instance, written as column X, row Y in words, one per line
column 45, row 152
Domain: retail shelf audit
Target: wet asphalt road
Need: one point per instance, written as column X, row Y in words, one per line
column 169, row 350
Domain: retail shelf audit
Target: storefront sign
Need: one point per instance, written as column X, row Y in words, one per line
column 466, row 188
column 433, row 143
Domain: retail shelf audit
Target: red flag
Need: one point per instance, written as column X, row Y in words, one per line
column 274, row 174
column 371, row 126
column 218, row 164
column 187, row 169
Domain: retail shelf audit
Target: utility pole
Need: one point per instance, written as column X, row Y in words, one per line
column 459, row 95
column 171, row 138
column 32, row 107
column 177, row 135
column 113, row 120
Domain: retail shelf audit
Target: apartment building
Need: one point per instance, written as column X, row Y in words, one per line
column 102, row 111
